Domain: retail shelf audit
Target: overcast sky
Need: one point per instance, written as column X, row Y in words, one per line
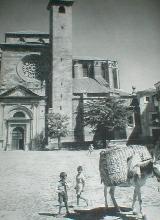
column 124, row 30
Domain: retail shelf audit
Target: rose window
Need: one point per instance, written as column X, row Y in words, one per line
column 32, row 67
column 31, row 70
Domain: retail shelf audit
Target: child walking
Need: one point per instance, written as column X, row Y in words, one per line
column 62, row 192
column 80, row 183
column 90, row 149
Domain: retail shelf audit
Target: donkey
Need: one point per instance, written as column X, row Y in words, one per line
column 126, row 166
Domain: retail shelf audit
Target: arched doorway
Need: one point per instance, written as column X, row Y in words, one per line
column 18, row 138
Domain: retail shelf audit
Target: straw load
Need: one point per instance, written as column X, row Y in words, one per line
column 114, row 163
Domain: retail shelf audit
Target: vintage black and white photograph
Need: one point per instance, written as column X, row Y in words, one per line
column 80, row 110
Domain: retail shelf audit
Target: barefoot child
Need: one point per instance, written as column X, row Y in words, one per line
column 80, row 183
column 62, row 192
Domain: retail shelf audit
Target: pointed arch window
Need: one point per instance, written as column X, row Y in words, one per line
column 62, row 9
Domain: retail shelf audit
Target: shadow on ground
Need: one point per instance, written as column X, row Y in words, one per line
column 99, row 213
column 48, row 214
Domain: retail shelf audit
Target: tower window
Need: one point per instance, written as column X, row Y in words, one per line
column 147, row 99
column 62, row 9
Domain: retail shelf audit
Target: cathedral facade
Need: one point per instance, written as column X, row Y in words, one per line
column 38, row 74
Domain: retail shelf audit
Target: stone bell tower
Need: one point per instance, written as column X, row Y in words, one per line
column 61, row 56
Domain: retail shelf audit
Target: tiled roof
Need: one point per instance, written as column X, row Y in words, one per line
column 88, row 85
column 146, row 91
column 90, row 58
column 61, row 0
column 26, row 32
column 123, row 93
column 157, row 84
column 102, row 81
column 29, row 32
column 58, row 2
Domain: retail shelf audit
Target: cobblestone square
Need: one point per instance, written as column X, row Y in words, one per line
column 28, row 183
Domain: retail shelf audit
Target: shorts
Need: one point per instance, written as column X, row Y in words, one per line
column 79, row 189
column 62, row 197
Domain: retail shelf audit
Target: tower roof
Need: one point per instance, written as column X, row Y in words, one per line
column 60, row 2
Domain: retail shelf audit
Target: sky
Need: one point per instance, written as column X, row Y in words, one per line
column 124, row 30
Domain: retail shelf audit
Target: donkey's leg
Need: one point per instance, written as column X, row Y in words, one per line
column 139, row 198
column 112, row 190
column 137, row 192
column 105, row 195
column 134, row 197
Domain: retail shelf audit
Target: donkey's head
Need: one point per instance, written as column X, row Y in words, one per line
column 156, row 170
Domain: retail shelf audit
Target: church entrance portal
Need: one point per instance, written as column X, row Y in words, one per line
column 18, row 138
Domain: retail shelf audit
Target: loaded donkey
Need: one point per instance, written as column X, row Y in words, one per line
column 126, row 166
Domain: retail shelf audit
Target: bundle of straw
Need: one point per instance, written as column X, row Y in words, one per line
column 113, row 163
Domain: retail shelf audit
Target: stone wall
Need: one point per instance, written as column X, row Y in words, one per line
column 12, row 72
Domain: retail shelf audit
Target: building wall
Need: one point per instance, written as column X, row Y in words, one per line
column 157, row 103
column 21, row 67
column 12, row 70
column 104, row 71
column 157, row 86
column 149, row 114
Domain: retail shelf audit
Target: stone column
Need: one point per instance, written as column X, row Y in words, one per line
column 1, row 120
column 117, row 74
column 9, row 136
column 78, row 70
column 34, row 120
column 110, row 74
column 97, row 69
column 28, row 138
column 2, row 127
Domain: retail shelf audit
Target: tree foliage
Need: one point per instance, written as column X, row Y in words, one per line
column 57, row 126
column 108, row 113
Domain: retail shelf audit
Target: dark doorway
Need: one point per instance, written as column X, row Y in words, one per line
column 155, row 134
column 18, row 138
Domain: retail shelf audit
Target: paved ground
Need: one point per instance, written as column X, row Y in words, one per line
column 28, row 182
